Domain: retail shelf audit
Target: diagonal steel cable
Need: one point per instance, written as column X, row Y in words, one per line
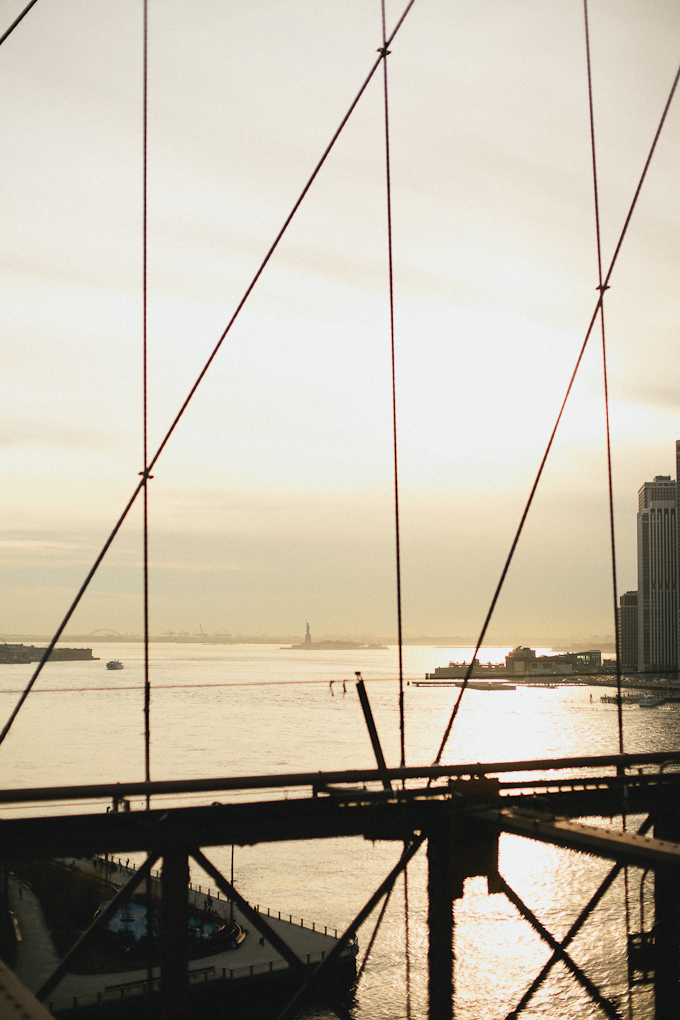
column 101, row 918
column 548, row 448
column 16, row 21
column 151, row 464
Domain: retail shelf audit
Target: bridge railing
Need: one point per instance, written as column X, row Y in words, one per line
column 320, row 782
column 198, row 975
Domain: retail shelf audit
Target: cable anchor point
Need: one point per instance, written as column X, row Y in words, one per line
column 383, row 51
column 602, row 287
column 146, row 474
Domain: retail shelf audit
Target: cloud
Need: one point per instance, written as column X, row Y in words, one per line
column 657, row 396
column 43, row 434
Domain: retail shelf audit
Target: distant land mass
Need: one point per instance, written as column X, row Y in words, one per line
column 332, row 646
column 575, row 643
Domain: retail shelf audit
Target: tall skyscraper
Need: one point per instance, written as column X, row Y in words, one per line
column 628, row 629
column 677, row 522
column 657, row 544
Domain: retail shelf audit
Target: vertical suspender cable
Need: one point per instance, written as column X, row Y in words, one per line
column 602, row 287
column 145, row 473
column 168, row 435
column 402, row 736
column 145, row 477
column 384, row 51
column 591, row 325
column 407, row 946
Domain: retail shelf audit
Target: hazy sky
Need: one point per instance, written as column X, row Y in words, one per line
column 273, row 501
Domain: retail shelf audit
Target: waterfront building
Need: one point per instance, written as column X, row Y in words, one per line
column 628, row 629
column 523, row 664
column 524, row 661
column 657, row 549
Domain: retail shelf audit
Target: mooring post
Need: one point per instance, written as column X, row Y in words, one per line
column 174, row 925
column 444, row 885
column 667, row 914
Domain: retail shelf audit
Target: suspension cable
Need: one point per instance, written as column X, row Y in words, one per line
column 145, row 413
column 385, row 53
column 601, row 288
column 593, row 319
column 119, row 523
column 16, row 21
column 407, row 946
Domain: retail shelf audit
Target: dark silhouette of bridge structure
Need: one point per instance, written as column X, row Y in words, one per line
column 454, row 813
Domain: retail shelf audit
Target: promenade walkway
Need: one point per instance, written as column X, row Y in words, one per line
column 36, row 955
column 251, row 958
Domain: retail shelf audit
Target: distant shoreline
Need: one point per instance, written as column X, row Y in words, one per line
column 245, row 639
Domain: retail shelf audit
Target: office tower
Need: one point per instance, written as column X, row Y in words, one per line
column 657, row 541
column 628, row 629
column 677, row 522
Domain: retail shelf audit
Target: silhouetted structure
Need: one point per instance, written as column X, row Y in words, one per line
column 523, row 662
column 657, row 546
column 628, row 629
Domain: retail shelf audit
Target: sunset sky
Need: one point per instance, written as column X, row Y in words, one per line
column 273, row 502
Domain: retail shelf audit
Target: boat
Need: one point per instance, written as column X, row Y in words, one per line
column 114, row 664
column 649, row 701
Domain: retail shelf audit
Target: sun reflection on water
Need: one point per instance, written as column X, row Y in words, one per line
column 297, row 725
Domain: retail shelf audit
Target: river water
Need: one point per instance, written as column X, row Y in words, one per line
column 220, row 710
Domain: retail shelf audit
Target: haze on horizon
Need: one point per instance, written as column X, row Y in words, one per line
column 273, row 501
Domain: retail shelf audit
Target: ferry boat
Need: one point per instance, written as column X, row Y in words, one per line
column 114, row 664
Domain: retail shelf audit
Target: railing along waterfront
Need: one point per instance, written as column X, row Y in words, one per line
column 197, row 889
column 198, row 975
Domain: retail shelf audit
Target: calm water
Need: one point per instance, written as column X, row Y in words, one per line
column 243, row 710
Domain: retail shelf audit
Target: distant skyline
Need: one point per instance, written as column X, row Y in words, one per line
column 602, row 641
column 273, row 501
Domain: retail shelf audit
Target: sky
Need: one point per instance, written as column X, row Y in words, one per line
column 273, row 501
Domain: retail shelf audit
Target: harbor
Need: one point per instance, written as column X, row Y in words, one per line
column 289, row 337
column 326, row 878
